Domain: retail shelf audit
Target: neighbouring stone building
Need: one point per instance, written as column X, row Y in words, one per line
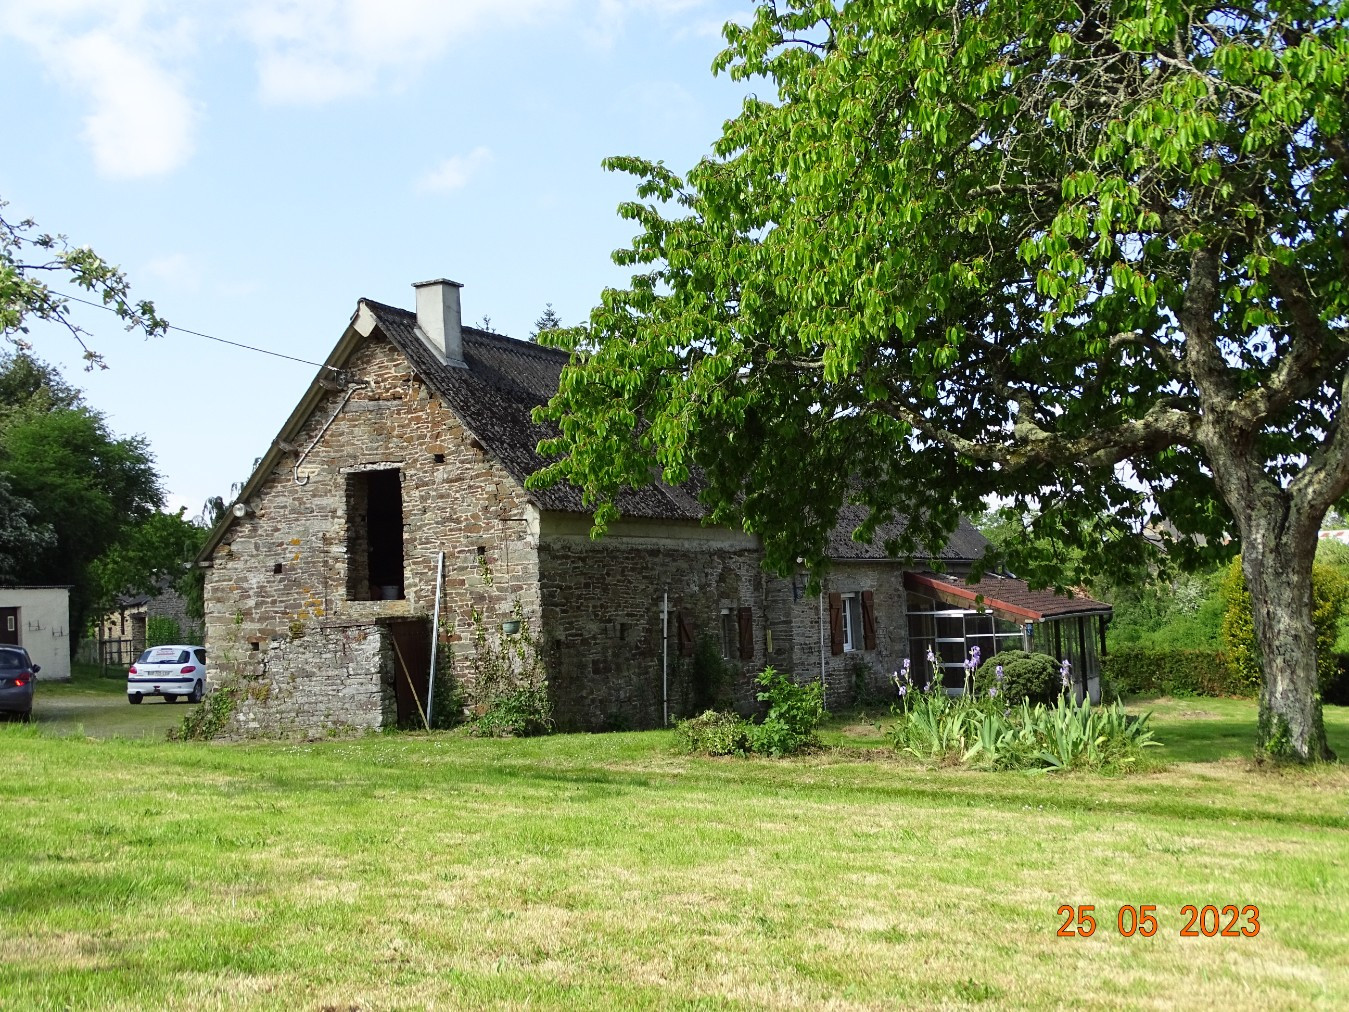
column 407, row 456
column 120, row 635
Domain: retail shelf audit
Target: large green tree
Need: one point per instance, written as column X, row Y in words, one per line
column 1089, row 256
column 90, row 489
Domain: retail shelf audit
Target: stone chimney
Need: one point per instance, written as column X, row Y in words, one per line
column 439, row 323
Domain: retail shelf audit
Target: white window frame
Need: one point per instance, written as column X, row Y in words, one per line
column 730, row 645
column 851, row 605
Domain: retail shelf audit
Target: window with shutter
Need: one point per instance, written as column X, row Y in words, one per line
column 868, row 620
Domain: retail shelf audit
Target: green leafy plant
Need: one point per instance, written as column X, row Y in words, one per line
column 160, row 629
column 794, row 714
column 509, row 687
column 1134, row 671
column 1025, row 675
column 208, row 718
column 709, row 675
column 985, row 734
column 790, row 726
column 1330, row 596
column 714, row 733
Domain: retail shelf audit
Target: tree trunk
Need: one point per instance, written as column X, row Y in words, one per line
column 1277, row 559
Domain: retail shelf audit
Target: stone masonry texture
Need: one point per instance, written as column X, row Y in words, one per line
column 289, row 619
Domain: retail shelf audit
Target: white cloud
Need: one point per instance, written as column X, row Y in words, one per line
column 455, row 172
column 123, row 59
column 312, row 51
column 130, row 59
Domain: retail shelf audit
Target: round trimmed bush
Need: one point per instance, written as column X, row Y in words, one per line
column 1024, row 676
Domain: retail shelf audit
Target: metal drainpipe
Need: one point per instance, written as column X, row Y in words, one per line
column 351, row 389
column 665, row 656
column 824, row 685
column 435, row 639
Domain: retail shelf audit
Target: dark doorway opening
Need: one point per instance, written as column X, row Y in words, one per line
column 375, row 535
column 411, row 668
column 9, row 626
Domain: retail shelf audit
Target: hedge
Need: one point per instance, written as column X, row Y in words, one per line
column 1135, row 671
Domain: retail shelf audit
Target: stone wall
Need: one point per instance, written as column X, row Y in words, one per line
column 282, row 572
column 332, row 679
column 288, row 619
column 602, row 629
column 886, row 582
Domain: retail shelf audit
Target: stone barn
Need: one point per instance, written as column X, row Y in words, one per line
column 406, row 458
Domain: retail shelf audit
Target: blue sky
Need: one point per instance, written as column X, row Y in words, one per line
column 256, row 167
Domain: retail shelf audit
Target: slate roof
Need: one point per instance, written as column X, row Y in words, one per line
column 1007, row 595
column 505, row 380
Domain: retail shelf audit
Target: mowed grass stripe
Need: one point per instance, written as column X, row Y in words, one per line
column 601, row 870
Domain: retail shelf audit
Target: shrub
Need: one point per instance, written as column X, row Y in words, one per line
column 1336, row 691
column 208, row 718
column 1024, row 676
column 983, row 733
column 714, row 733
column 1134, row 671
column 794, row 712
column 1330, row 595
column 160, row 629
column 516, row 713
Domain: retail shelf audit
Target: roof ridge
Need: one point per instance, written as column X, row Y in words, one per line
column 514, row 344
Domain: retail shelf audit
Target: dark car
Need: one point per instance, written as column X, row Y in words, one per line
column 17, row 674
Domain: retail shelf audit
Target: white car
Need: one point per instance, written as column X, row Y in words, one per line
column 170, row 671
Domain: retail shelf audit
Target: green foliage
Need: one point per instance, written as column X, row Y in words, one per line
column 152, row 555
column 90, row 488
column 520, row 712
column 1025, row 676
column 714, row 733
column 161, row 629
column 1238, row 630
column 983, row 733
column 709, row 675
column 208, row 718
column 30, row 260
column 881, row 271
column 790, row 726
column 24, row 537
column 794, row 713
column 1136, row 671
column 548, row 320
column 509, row 688
column 1334, row 555
column 1171, row 611
column 1330, row 601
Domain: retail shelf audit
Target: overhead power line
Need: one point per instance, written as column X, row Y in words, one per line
column 211, row 337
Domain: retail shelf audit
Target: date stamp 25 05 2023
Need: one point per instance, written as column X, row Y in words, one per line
column 1207, row 921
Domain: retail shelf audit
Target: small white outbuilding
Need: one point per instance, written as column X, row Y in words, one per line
column 38, row 619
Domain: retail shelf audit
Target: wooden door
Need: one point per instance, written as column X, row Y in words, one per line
column 9, row 625
column 411, row 666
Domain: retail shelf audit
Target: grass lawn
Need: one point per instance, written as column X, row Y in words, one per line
column 589, row 871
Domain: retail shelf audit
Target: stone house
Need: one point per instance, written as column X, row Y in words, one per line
column 407, row 457
column 121, row 634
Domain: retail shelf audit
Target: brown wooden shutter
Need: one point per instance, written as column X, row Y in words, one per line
column 746, row 618
column 836, row 624
column 685, row 631
column 869, row 620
